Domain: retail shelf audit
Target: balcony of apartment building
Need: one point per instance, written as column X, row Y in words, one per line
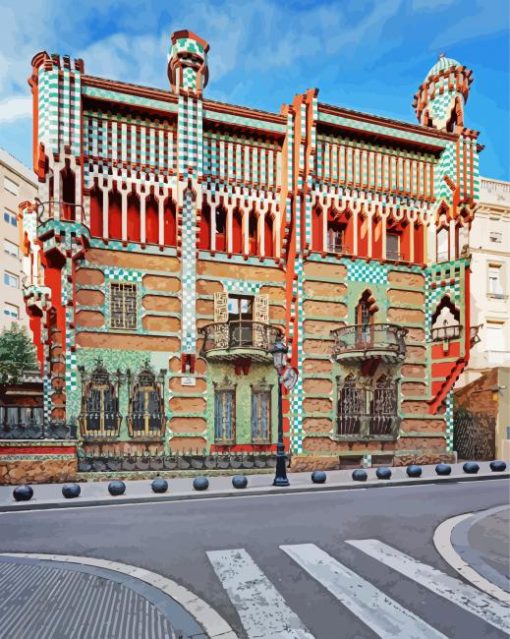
column 244, row 332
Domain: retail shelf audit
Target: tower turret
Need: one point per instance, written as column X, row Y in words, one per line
column 439, row 102
column 187, row 62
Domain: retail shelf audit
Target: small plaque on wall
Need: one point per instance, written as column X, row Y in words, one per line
column 189, row 381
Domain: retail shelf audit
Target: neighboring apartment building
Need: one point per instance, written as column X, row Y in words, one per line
column 181, row 236
column 17, row 184
column 490, row 280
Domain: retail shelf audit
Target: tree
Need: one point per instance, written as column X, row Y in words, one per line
column 17, row 355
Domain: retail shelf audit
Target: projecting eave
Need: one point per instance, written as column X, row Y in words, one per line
column 380, row 129
column 251, row 120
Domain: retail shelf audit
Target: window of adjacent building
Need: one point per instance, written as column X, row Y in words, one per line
column 392, row 246
column 495, row 282
column 122, row 305
column 11, row 310
column 11, row 186
column 11, row 280
column 495, row 237
column 495, row 336
column 10, row 218
column 261, row 416
column 224, row 416
column 11, row 249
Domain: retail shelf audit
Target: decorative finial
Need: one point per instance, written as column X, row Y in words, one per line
column 442, row 55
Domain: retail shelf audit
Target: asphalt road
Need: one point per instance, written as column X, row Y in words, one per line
column 173, row 539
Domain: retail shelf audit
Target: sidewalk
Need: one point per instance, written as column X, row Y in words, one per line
column 96, row 493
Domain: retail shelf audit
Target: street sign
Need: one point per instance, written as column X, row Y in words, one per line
column 289, row 377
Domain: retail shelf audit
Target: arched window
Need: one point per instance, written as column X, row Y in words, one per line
column 146, row 412
column 114, row 215
column 133, row 217
column 221, row 229
column 68, row 192
column 383, row 413
column 205, row 227
column 151, row 220
column 335, row 235
column 443, row 244
column 237, row 232
column 96, row 212
column 350, row 407
column 170, row 222
column 253, row 233
column 268, row 235
column 100, row 406
column 446, row 321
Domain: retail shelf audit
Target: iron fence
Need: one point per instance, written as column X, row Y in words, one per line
column 239, row 334
column 370, row 337
column 54, row 430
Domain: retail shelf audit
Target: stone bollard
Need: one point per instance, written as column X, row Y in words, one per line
column 239, row 481
column 201, row 483
column 116, row 488
column 319, row 477
column 497, row 466
column 471, row 468
column 359, row 474
column 23, row 492
column 383, row 473
column 71, row 491
column 443, row 469
column 413, row 471
column 159, row 485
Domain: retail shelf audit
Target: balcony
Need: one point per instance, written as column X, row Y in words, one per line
column 361, row 342
column 240, row 338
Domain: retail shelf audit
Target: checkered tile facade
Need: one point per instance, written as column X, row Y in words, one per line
column 369, row 272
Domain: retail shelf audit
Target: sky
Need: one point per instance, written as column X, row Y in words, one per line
column 361, row 54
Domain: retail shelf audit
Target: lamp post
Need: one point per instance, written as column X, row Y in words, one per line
column 279, row 352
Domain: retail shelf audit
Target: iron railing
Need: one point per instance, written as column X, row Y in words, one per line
column 443, row 333
column 174, row 461
column 385, row 338
column 108, row 424
column 337, row 246
column 53, row 430
column 239, row 334
column 363, row 425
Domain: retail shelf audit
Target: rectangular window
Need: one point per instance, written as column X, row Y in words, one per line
column 11, row 280
column 11, row 310
column 261, row 416
column 496, row 237
column 10, row 218
column 495, row 288
column 392, row 246
column 11, row 249
column 123, row 305
column 495, row 336
column 224, row 416
column 11, row 186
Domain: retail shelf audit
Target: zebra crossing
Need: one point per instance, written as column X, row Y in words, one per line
column 265, row 614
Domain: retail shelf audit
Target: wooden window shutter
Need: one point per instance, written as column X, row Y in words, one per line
column 220, row 307
column 261, row 310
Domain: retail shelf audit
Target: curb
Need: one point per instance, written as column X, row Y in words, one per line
column 452, row 534
column 269, row 490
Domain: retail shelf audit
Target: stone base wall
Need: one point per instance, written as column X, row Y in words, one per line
column 309, row 463
column 37, row 471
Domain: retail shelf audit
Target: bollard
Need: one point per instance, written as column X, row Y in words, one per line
column 443, row 469
column 319, row 477
column 413, row 471
column 70, row 491
column 497, row 466
column 116, row 488
column 471, row 468
column 159, row 485
column 359, row 475
column 239, row 481
column 23, row 492
column 200, row 483
column 383, row 472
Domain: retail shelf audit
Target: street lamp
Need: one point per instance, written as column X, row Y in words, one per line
column 279, row 353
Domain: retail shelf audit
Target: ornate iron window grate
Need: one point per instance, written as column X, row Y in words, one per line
column 122, row 305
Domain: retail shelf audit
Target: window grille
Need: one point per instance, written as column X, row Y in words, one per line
column 261, row 416
column 224, row 416
column 122, row 305
column 100, row 406
column 146, row 416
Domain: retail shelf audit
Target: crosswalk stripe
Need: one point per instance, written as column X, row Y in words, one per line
column 471, row 599
column 263, row 611
column 384, row 616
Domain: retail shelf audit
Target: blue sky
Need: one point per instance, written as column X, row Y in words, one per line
column 361, row 54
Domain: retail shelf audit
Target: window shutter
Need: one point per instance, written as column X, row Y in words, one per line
column 221, row 318
column 261, row 311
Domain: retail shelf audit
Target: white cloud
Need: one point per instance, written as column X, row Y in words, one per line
column 15, row 108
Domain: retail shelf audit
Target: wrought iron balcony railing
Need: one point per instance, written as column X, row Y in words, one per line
column 446, row 333
column 224, row 339
column 338, row 247
column 362, row 425
column 361, row 341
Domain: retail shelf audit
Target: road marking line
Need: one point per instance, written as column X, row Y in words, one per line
column 444, row 546
column 207, row 617
column 384, row 616
column 263, row 611
column 471, row 599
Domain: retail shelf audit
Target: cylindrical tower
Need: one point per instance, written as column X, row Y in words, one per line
column 187, row 62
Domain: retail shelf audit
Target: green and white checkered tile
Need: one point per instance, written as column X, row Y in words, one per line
column 371, row 273
column 123, row 274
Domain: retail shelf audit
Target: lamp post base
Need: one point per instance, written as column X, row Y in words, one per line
column 280, row 478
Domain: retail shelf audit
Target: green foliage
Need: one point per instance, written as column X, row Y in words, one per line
column 17, row 355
